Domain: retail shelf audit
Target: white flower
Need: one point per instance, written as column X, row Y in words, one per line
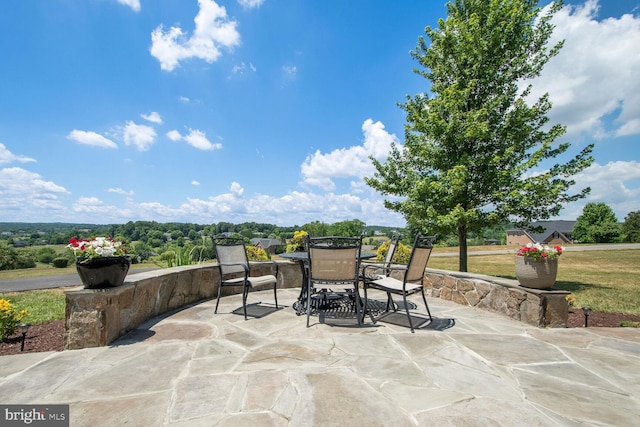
column 97, row 247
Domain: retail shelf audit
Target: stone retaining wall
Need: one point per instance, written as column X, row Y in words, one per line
column 532, row 306
column 97, row 317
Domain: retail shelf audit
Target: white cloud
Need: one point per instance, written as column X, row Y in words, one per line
column 26, row 196
column 91, row 138
column 291, row 209
column 591, row 80
column 321, row 169
column 21, row 181
column 195, row 138
column 7, row 156
column 120, row 191
column 133, row 4
column 250, row 4
column 184, row 99
column 153, row 117
column 242, row 68
column 195, row 183
column 236, row 189
column 213, row 30
column 92, row 207
column 174, row 135
column 198, row 139
column 141, row 136
column 612, row 184
column 290, row 71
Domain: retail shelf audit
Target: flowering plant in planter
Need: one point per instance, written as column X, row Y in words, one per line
column 97, row 247
column 537, row 251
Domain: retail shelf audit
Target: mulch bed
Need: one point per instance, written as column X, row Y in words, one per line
column 44, row 337
column 50, row 336
column 596, row 319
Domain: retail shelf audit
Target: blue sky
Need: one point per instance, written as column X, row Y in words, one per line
column 262, row 110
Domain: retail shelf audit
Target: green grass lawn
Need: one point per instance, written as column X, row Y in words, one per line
column 43, row 305
column 602, row 280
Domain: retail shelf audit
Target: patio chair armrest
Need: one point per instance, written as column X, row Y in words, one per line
column 246, row 269
column 371, row 266
column 397, row 267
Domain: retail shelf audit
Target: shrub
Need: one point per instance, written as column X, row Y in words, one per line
column 256, row 254
column 10, row 319
column 400, row 257
column 7, row 256
column 60, row 262
column 297, row 243
column 25, row 258
column 46, row 255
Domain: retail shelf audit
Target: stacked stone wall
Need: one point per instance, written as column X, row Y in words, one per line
column 532, row 306
column 97, row 317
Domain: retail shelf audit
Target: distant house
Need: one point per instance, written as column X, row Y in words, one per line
column 554, row 233
column 269, row 245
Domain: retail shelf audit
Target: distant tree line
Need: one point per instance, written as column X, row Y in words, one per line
column 22, row 245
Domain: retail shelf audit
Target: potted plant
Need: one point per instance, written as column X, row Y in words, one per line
column 100, row 261
column 537, row 265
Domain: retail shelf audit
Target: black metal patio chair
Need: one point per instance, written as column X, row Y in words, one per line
column 412, row 276
column 235, row 269
column 370, row 270
column 333, row 273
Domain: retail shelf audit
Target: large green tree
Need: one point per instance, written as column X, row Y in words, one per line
column 631, row 227
column 473, row 145
column 597, row 224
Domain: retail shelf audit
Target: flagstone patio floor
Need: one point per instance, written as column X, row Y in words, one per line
column 466, row 367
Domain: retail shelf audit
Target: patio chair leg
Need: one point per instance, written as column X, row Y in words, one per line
column 390, row 302
column 308, row 305
column 245, row 292
column 218, row 299
column 275, row 294
column 365, row 306
column 406, row 307
column 424, row 298
column 358, row 308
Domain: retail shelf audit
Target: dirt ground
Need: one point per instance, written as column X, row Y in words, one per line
column 50, row 336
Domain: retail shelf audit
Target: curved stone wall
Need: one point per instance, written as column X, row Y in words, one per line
column 97, row 317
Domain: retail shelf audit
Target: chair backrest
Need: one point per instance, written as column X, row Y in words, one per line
column 230, row 250
column 334, row 259
column 422, row 247
column 393, row 244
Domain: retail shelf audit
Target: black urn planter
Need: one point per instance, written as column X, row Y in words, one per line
column 104, row 272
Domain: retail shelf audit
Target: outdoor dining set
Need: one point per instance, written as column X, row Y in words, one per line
column 334, row 270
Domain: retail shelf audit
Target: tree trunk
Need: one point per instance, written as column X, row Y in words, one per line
column 462, row 245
